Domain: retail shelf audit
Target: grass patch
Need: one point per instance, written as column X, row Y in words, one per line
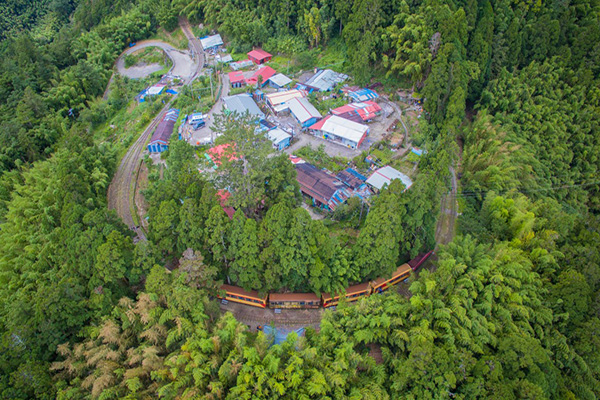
column 146, row 56
column 127, row 124
column 176, row 38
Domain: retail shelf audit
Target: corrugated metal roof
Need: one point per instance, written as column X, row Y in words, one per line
column 366, row 110
column 209, row 42
column 225, row 58
column 259, row 54
column 241, row 64
column 236, row 76
column 363, row 95
column 302, row 109
column 241, row 104
column 317, row 183
column 325, row 80
column 278, row 135
column 164, row 130
column 266, row 72
column 282, row 97
column 342, row 128
column 383, row 176
column 280, row 80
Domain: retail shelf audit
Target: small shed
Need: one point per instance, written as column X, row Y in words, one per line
column 155, row 90
column 237, row 65
column 215, row 154
column 211, row 42
column 279, row 81
column 225, row 58
column 236, row 79
column 259, row 56
column 304, row 112
column 280, row 138
column 385, row 175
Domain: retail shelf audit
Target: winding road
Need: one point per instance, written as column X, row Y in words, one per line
column 120, row 191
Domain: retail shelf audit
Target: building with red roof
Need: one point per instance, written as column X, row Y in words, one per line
column 265, row 73
column 236, row 79
column 259, row 56
column 215, row 154
column 366, row 110
column 223, row 196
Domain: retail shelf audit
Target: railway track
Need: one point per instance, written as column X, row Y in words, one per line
column 120, row 189
column 120, row 192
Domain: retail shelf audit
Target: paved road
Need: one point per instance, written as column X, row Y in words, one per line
column 184, row 65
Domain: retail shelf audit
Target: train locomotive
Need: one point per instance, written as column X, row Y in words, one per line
column 311, row 300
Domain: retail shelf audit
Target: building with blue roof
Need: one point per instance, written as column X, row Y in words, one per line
column 363, row 95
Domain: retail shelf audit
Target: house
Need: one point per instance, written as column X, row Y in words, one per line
column 242, row 104
column 325, row 80
column 279, row 137
column 214, row 155
column 279, row 81
column 236, row 79
column 304, row 112
column 278, row 101
column 341, row 130
column 384, row 176
column 237, row 65
column 211, row 42
column 159, row 141
column 259, row 56
column 263, row 75
column 324, row 189
column 366, row 110
column 363, row 95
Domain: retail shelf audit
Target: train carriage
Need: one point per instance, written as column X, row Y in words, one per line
column 381, row 284
column 239, row 295
column 353, row 293
column 294, row 300
column 416, row 262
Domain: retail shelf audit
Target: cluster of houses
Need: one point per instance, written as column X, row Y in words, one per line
column 346, row 125
column 328, row 191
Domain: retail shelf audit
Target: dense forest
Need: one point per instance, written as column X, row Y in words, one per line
column 510, row 309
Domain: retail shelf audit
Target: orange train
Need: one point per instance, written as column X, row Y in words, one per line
column 311, row 300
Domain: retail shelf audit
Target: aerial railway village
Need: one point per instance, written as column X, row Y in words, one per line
column 285, row 199
column 346, row 143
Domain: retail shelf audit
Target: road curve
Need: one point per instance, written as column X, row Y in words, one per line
column 183, row 65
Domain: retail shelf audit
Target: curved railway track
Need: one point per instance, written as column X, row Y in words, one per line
column 121, row 192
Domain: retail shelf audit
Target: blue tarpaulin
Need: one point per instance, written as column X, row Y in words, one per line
column 356, row 174
column 280, row 334
column 363, row 95
column 171, row 91
column 418, row 152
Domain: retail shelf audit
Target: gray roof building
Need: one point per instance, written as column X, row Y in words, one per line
column 242, row 104
column 325, row 80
